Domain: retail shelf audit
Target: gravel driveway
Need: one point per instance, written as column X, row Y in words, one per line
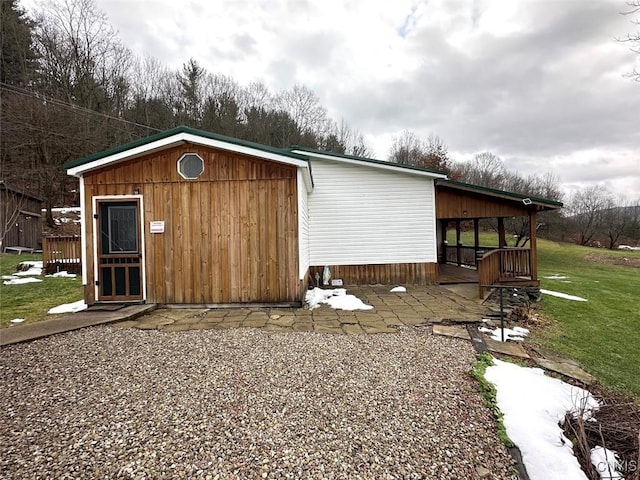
column 106, row 402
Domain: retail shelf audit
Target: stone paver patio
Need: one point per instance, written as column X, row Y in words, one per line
column 420, row 305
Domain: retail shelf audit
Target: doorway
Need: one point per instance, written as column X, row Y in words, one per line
column 119, row 251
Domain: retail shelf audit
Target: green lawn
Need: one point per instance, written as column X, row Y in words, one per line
column 603, row 334
column 31, row 301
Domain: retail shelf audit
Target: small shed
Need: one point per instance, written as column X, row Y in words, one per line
column 190, row 217
column 20, row 219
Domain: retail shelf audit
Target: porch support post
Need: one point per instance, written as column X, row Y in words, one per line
column 444, row 224
column 502, row 242
column 533, row 243
column 476, row 237
column 458, row 257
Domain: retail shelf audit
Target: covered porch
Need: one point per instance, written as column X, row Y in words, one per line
column 459, row 204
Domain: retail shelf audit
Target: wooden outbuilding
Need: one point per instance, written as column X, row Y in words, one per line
column 191, row 217
column 20, row 220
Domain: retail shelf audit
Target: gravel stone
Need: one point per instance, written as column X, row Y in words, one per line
column 108, row 402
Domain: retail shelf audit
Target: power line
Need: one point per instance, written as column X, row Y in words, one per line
column 30, row 93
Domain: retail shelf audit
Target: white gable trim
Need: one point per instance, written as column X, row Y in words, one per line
column 184, row 137
column 364, row 163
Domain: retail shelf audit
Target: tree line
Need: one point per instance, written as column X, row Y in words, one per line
column 592, row 216
column 70, row 88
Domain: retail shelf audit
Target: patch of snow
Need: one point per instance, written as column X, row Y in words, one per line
column 17, row 320
column 606, row 462
column 20, row 281
column 33, row 268
column 627, row 247
column 398, row 289
column 62, row 274
column 65, row 210
column 516, row 333
column 562, row 295
column 556, row 277
column 68, row 307
column 336, row 298
column 533, row 405
column 9, row 277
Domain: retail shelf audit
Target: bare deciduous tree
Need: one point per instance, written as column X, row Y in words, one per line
column 485, row 169
column 618, row 220
column 408, row 149
column 81, row 58
column 304, row 107
column 633, row 39
column 586, row 210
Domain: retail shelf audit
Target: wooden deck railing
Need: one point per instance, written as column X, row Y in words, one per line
column 464, row 254
column 504, row 265
column 61, row 253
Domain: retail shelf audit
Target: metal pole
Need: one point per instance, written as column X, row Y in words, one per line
column 501, row 315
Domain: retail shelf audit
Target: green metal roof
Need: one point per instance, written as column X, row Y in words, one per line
column 495, row 191
column 174, row 131
column 368, row 160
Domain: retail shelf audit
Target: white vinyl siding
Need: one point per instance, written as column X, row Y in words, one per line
column 365, row 215
column 303, row 225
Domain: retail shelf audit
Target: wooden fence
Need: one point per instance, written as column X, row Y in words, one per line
column 61, row 253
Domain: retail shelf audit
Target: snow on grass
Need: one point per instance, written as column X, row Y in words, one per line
column 515, row 333
column 68, row 307
column 566, row 296
column 398, row 289
column 627, row 247
column 606, row 463
column 62, row 274
column 533, row 405
column 557, row 277
column 17, row 320
column 336, row 298
column 30, row 268
column 20, row 281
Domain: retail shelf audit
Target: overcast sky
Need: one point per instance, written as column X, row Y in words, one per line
column 539, row 82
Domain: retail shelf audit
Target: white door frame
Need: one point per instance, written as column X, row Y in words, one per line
column 94, row 211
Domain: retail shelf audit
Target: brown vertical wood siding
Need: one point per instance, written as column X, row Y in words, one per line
column 386, row 274
column 453, row 203
column 231, row 235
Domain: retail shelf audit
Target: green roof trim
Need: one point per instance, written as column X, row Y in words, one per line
column 518, row 196
column 368, row 160
column 174, row 131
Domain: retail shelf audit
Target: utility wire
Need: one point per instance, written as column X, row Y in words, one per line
column 30, row 93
